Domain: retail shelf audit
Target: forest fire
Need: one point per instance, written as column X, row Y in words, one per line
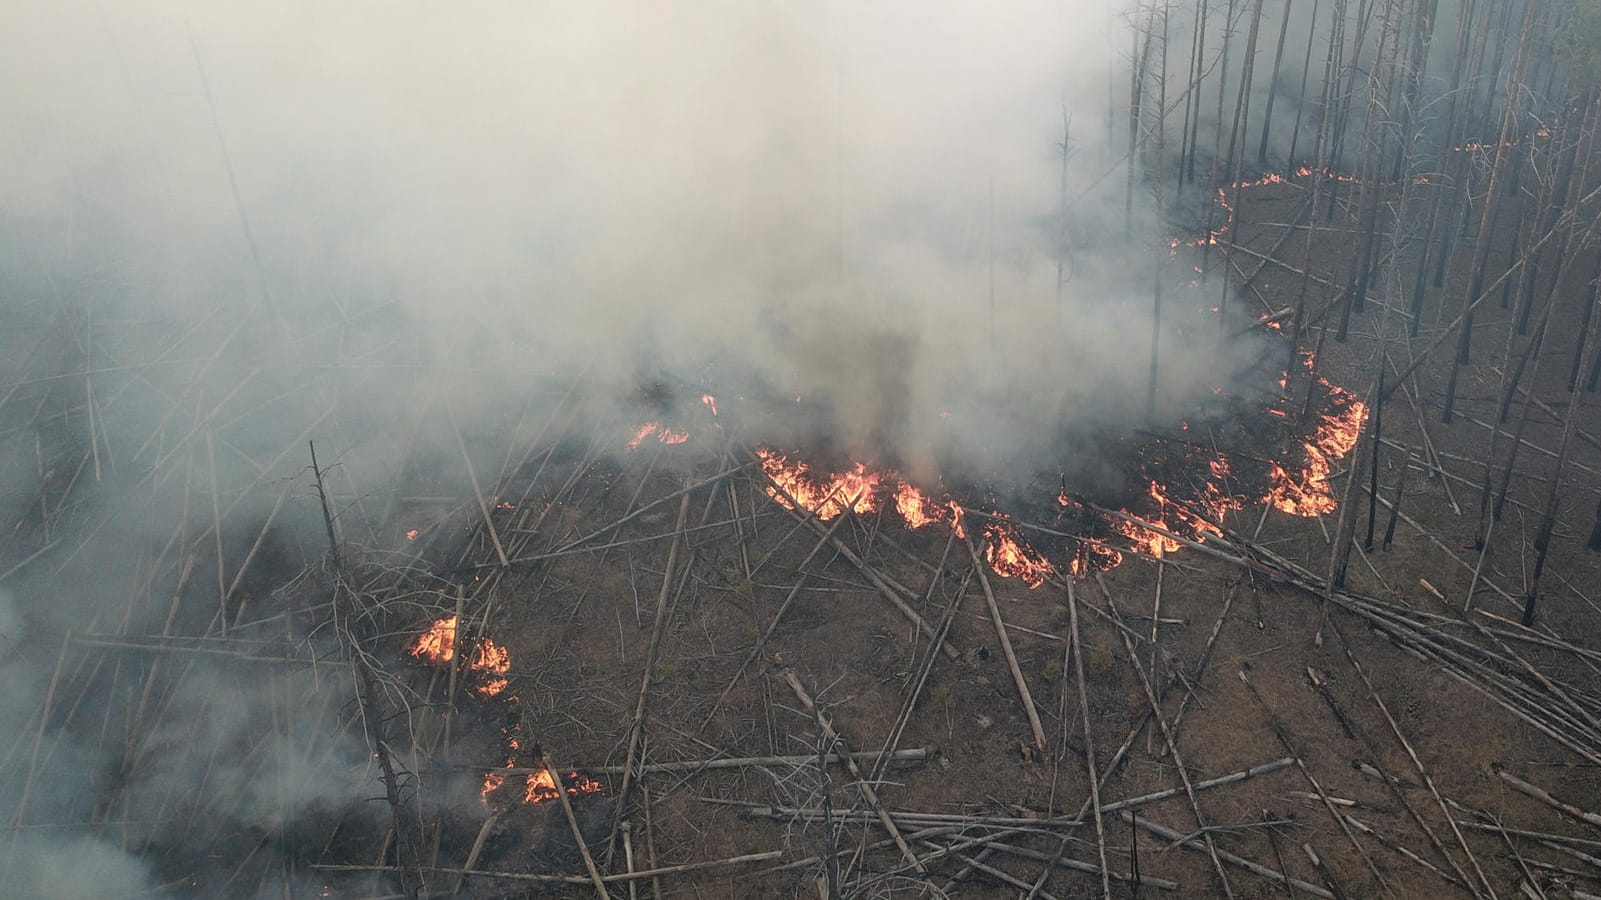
column 437, row 645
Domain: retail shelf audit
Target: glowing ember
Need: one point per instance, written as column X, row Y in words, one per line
column 1010, row 557
column 412, row 534
column 710, row 401
column 674, row 437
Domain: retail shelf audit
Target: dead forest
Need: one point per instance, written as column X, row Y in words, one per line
column 290, row 612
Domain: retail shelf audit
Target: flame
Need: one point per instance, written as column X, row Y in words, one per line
column 663, row 433
column 1093, row 556
column 1010, row 557
column 917, row 509
column 1147, row 541
column 412, row 534
column 438, row 645
column 710, row 401
column 492, row 783
column 855, row 490
column 1307, row 492
column 645, row 431
column 541, row 786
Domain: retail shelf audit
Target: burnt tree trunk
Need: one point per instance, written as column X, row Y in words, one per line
column 1306, row 70
column 1492, row 200
column 1273, row 85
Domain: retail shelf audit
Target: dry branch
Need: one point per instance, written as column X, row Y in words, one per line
column 1006, row 649
column 835, row 741
column 1233, row 860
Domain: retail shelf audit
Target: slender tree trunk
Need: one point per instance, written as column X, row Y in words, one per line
column 1161, row 211
column 1481, row 252
column 1242, row 106
column 1306, row 70
column 1195, row 87
column 1356, row 291
column 1273, row 85
column 1457, row 135
column 1542, row 542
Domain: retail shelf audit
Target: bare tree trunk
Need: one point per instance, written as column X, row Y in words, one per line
column 1481, row 252
column 1356, row 291
column 1192, row 97
column 1306, row 70
column 1141, row 62
column 1242, row 106
column 1542, row 541
column 1161, row 211
column 1456, row 135
column 1273, row 85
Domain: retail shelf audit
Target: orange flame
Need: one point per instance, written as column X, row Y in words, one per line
column 438, row 645
column 1307, row 492
column 1093, row 556
column 541, row 786
column 1010, row 557
column 663, row 433
column 855, row 490
column 645, row 431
